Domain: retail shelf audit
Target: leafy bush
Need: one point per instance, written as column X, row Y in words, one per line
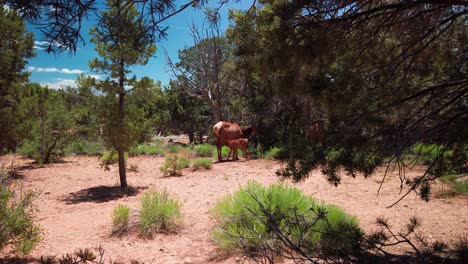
column 455, row 183
column 205, row 163
column 30, row 149
column 110, row 158
column 257, row 220
column 204, row 150
column 429, row 152
column 173, row 165
column 461, row 187
column 84, row 147
column 120, row 218
column 146, row 149
column 273, row 153
column 256, row 152
column 159, row 213
column 17, row 219
column 174, row 148
column 224, row 152
column 83, row 256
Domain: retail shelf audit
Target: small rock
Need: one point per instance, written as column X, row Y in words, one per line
column 47, row 192
column 188, row 260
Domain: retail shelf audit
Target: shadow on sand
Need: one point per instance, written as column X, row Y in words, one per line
column 101, row 194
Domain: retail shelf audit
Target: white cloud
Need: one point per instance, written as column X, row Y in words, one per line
column 42, row 45
column 64, row 70
column 60, row 83
column 95, row 76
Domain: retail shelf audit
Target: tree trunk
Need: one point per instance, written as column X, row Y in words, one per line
column 43, row 144
column 200, row 137
column 46, row 157
column 122, row 172
column 191, row 137
column 216, row 110
column 120, row 149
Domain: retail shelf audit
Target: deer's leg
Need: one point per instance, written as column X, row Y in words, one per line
column 220, row 156
column 230, row 152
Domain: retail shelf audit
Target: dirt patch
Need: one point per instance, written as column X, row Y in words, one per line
column 77, row 198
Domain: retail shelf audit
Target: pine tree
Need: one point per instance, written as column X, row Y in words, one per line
column 121, row 41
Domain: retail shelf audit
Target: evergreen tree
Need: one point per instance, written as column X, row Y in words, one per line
column 16, row 45
column 384, row 76
column 122, row 40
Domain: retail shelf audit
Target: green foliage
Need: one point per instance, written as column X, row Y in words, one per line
column 273, row 153
column 85, row 147
column 326, row 71
column 224, row 152
column 16, row 47
column 204, row 150
column 159, row 213
column 189, row 113
column 256, row 216
column 120, row 217
column 110, row 158
column 17, row 219
column 119, row 50
column 256, row 152
column 457, row 183
column 173, row 165
column 51, row 125
column 145, row 149
column 461, row 187
column 29, row 149
column 205, row 163
column 174, row 148
column 430, row 152
column 84, row 256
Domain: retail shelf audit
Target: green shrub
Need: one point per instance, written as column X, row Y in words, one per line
column 159, row 213
column 204, row 150
column 461, row 187
column 30, row 149
column 17, row 219
column 254, row 216
column 184, row 162
column 146, row 149
column 224, row 152
column 256, row 152
column 173, row 165
column 174, row 148
column 457, row 183
column 110, row 158
column 84, row 147
column 429, row 152
column 205, row 163
column 120, row 218
column 272, row 153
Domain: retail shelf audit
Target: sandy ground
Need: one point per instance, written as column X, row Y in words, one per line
column 77, row 198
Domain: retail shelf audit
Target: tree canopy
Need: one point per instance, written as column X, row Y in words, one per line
column 16, row 46
column 383, row 75
column 122, row 41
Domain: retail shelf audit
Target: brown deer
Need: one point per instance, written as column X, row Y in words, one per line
column 234, row 144
column 225, row 131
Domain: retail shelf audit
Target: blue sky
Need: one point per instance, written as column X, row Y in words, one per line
column 59, row 70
